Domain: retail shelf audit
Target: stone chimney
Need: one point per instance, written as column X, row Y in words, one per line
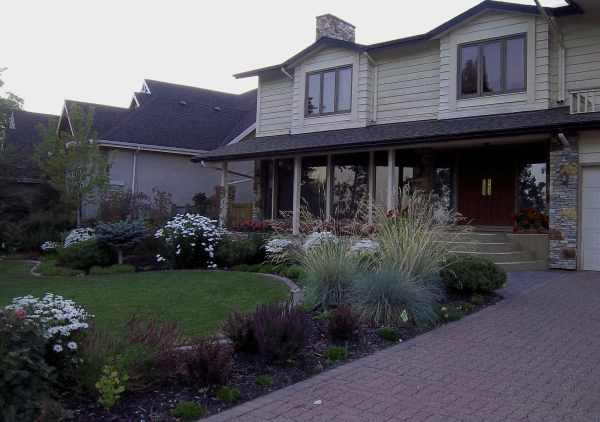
column 334, row 27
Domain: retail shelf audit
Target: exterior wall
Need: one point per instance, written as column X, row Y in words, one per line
column 274, row 105
column 487, row 26
column 408, row 84
column 563, row 212
column 582, row 43
column 328, row 58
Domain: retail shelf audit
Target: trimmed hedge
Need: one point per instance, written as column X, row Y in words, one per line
column 113, row 269
column 473, row 274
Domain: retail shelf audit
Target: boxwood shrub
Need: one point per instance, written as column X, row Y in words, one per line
column 472, row 274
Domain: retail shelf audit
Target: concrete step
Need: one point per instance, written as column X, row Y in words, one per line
column 499, row 257
column 483, row 246
column 524, row 266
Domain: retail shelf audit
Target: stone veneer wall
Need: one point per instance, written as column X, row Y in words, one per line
column 564, row 187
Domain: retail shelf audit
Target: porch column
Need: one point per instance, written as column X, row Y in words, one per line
column 391, row 185
column 371, row 185
column 562, row 207
column 296, row 195
column 224, row 193
column 274, row 191
column 328, row 188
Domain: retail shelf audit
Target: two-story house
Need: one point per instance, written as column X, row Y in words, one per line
column 493, row 111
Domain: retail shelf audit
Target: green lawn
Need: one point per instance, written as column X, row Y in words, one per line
column 199, row 301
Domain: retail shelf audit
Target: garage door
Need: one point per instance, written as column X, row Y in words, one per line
column 590, row 223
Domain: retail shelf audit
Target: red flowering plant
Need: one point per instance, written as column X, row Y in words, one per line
column 253, row 226
column 530, row 220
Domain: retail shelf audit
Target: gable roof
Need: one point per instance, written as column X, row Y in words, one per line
column 179, row 116
column 24, row 137
column 424, row 131
column 104, row 117
column 493, row 5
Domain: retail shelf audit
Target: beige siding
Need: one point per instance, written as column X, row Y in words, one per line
column 487, row 26
column 408, row 85
column 274, row 115
column 582, row 42
column 324, row 59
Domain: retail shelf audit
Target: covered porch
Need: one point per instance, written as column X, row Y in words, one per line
column 487, row 182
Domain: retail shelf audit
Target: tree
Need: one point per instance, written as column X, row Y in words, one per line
column 73, row 163
column 121, row 235
column 8, row 103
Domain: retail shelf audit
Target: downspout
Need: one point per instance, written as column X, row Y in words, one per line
column 134, row 170
column 561, row 52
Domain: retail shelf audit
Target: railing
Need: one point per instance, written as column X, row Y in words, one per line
column 585, row 100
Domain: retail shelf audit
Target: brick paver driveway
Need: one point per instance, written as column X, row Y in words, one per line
column 533, row 357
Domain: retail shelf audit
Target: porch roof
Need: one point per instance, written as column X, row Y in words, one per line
column 523, row 123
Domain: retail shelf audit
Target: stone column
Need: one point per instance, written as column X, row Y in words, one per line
column 563, row 212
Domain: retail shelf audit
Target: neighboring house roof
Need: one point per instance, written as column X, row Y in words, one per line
column 24, row 137
column 104, row 117
column 425, row 131
column 178, row 116
column 571, row 8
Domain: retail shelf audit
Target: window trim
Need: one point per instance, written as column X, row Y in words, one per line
column 321, row 72
column 503, row 50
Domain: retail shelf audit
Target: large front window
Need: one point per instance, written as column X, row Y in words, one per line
column 350, row 185
column 313, row 189
column 492, row 67
column 329, row 91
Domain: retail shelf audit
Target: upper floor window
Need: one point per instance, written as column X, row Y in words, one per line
column 492, row 67
column 329, row 91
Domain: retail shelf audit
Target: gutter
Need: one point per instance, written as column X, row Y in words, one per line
column 150, row 148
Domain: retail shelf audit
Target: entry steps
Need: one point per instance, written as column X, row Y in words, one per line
column 495, row 246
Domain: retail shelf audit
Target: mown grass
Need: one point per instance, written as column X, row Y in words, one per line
column 198, row 300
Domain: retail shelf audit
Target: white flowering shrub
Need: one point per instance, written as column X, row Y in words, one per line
column 49, row 246
column 79, row 235
column 59, row 319
column 278, row 250
column 318, row 238
column 189, row 241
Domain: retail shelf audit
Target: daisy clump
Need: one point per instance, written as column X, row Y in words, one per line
column 189, row 241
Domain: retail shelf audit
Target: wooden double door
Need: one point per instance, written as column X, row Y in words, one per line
column 487, row 187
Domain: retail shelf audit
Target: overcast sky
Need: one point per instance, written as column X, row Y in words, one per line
column 101, row 50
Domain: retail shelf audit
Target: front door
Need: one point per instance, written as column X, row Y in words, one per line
column 486, row 188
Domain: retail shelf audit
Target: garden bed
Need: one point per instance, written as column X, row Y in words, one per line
column 156, row 404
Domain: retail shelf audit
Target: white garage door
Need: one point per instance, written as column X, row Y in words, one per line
column 590, row 223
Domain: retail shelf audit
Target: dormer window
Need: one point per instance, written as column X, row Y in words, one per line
column 492, row 67
column 329, row 91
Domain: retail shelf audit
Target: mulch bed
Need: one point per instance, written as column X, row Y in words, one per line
column 156, row 404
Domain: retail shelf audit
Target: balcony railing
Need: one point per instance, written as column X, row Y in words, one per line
column 585, row 101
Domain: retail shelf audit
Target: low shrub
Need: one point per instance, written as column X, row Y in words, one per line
column 111, row 385
column 293, row 272
column 264, row 380
column 336, row 353
column 281, row 331
column 235, row 250
column 477, row 299
column 188, row 411
column 388, row 333
column 239, row 328
column 120, row 236
column 391, row 297
column 471, row 274
column 84, row 255
column 451, row 313
column 49, row 268
column 113, row 269
column 209, row 362
column 228, row 394
column 96, row 349
column 344, row 323
column 26, row 377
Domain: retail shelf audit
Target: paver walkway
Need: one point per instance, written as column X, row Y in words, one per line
column 535, row 356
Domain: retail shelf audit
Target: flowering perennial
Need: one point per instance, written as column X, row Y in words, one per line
column 59, row 318
column 317, row 238
column 79, row 235
column 48, row 246
column 276, row 250
column 189, row 241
